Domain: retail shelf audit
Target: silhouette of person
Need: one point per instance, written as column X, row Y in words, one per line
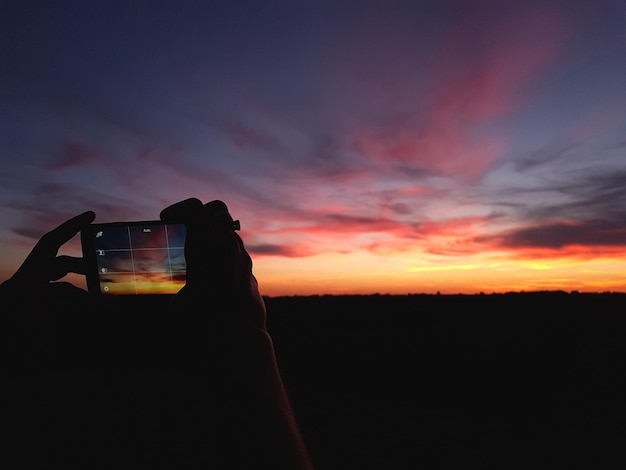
column 257, row 426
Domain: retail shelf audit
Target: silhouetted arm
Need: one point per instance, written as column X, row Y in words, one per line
column 258, row 424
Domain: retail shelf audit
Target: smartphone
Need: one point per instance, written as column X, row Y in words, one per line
column 134, row 258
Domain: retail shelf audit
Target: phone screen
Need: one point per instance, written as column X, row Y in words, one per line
column 129, row 258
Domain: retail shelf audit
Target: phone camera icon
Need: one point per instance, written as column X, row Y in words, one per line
column 103, row 270
column 105, row 288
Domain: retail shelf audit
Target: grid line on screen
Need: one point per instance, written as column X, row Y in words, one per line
column 132, row 258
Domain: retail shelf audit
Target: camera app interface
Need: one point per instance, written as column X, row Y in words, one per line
column 140, row 259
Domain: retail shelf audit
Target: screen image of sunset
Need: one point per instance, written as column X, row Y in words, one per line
column 366, row 147
column 140, row 259
column 145, row 283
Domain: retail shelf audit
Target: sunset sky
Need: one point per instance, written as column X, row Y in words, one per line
column 366, row 146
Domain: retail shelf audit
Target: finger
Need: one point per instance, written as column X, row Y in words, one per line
column 212, row 249
column 236, row 288
column 209, row 249
column 63, row 265
column 219, row 269
column 54, row 239
column 231, row 266
column 60, row 290
column 39, row 264
column 220, row 228
column 216, row 212
column 188, row 211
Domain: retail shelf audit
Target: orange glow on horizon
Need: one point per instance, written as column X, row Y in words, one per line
column 366, row 273
column 369, row 274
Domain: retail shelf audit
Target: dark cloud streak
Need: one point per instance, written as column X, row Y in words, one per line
column 591, row 233
column 51, row 204
column 288, row 251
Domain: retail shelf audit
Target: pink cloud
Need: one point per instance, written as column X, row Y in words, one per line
column 344, row 233
column 74, row 154
column 481, row 71
column 439, row 150
column 413, row 190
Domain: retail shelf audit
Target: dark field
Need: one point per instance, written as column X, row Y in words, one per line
column 507, row 381
column 496, row 381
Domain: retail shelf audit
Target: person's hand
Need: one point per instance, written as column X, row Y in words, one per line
column 219, row 269
column 258, row 426
column 32, row 306
column 43, row 265
column 221, row 297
